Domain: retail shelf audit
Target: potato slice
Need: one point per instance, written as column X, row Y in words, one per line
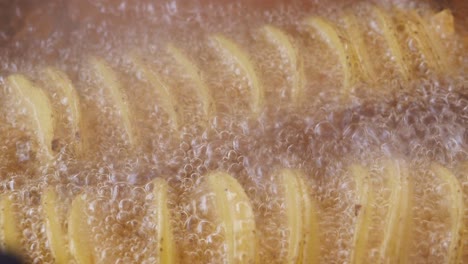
column 302, row 223
column 10, row 233
column 414, row 27
column 165, row 236
column 455, row 249
column 36, row 106
column 285, row 46
column 364, row 202
column 202, row 90
column 69, row 119
column 462, row 175
column 56, row 234
column 361, row 50
column 236, row 216
column 112, row 89
column 166, row 99
column 334, row 39
column 434, row 43
column 389, row 33
column 82, row 245
column 221, row 203
column 443, row 23
column 231, row 51
column 397, row 222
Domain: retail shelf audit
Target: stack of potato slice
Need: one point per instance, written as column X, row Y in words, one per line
column 114, row 115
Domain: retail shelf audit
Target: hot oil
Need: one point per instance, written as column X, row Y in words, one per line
column 419, row 118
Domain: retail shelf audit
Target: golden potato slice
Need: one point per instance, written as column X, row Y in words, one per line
column 166, row 98
column 397, row 221
column 68, row 125
column 56, row 233
column 80, row 235
column 462, row 174
column 235, row 215
column 10, row 233
column 284, row 45
column 455, row 249
column 107, row 77
column 364, row 202
column 302, row 223
column 434, row 43
column 443, row 23
column 388, row 28
column 414, row 27
column 335, row 39
column 231, row 51
column 165, row 236
column 361, row 50
column 226, row 219
column 202, row 90
column 37, row 109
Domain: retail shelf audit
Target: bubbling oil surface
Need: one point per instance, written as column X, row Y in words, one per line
column 420, row 120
